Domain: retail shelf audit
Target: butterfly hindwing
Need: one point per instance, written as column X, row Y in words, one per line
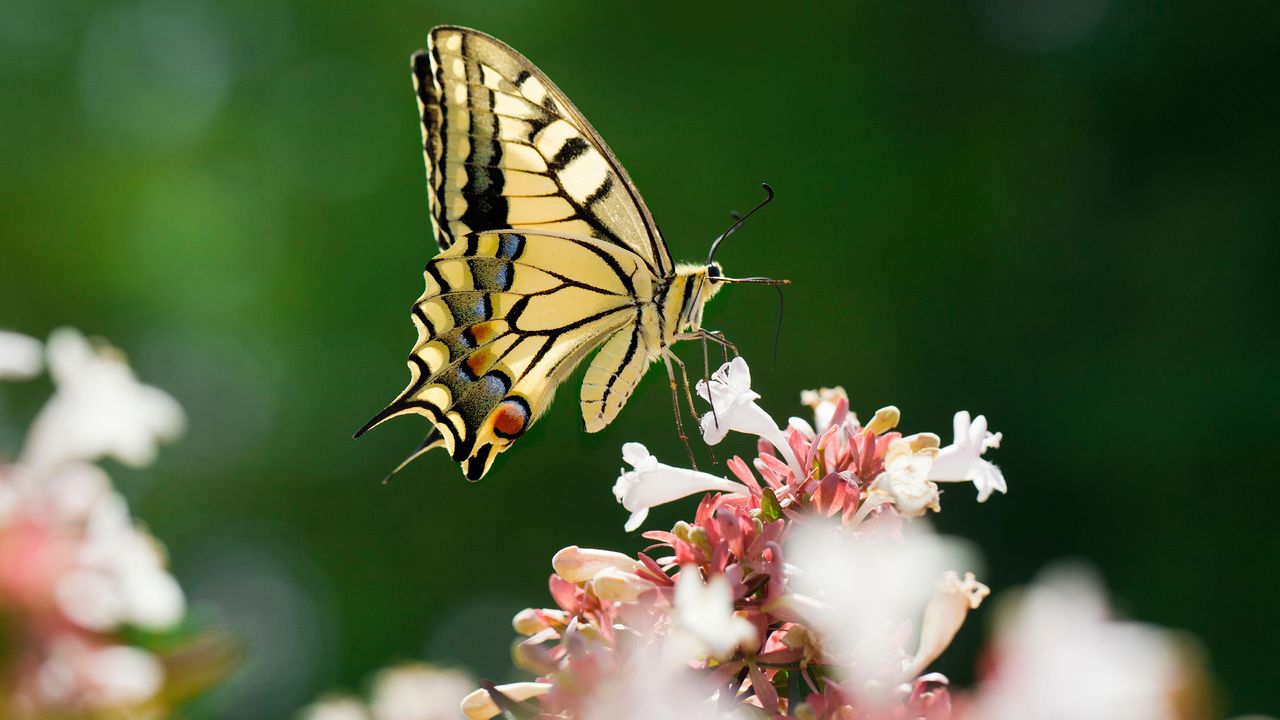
column 614, row 373
column 506, row 149
column 504, row 318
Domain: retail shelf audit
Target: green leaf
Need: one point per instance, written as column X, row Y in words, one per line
column 770, row 508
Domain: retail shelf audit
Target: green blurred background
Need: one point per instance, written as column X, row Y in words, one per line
column 1060, row 214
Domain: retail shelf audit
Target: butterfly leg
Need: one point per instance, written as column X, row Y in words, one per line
column 667, row 355
column 714, row 336
column 718, row 337
column 688, row 395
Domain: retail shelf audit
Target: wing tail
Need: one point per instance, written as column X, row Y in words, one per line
column 433, row 440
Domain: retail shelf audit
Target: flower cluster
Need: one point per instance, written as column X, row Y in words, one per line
column 810, row 587
column 801, row 588
column 76, row 571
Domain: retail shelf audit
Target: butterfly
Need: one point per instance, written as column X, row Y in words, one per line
column 546, row 253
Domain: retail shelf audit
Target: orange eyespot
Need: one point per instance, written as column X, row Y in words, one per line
column 482, row 332
column 511, row 418
column 477, row 362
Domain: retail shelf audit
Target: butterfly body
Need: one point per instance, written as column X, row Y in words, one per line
column 547, row 253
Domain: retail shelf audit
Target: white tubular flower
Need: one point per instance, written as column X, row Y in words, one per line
column 905, row 478
column 953, row 598
column 961, row 461
column 651, row 483
column 705, row 614
column 579, row 565
column 416, row 691
column 19, row 356
column 99, row 409
column 479, row 706
column 734, row 407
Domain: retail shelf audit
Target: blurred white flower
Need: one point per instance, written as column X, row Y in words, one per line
column 124, row 675
column 416, row 691
column 859, row 589
column 120, row 576
column 19, row 356
column 704, row 614
column 71, row 492
column 99, row 409
column 648, row 686
column 650, row 483
column 733, row 407
column 906, row 478
column 1059, row 654
column 335, row 707
column 77, row 672
column 961, row 461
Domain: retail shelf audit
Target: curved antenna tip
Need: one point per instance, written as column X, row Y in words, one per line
column 738, row 220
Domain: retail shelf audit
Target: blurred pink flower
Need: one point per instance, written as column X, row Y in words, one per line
column 75, row 568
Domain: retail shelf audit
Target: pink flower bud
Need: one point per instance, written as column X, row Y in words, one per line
column 578, row 565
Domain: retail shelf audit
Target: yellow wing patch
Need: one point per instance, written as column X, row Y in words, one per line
column 506, row 149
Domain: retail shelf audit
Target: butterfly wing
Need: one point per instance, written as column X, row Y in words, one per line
column 614, row 373
column 504, row 318
column 506, row 149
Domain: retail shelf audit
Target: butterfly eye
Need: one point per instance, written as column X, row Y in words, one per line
column 713, row 271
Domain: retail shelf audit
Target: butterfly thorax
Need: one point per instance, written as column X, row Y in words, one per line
column 684, row 296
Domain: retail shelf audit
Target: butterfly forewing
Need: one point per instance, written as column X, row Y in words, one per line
column 506, row 149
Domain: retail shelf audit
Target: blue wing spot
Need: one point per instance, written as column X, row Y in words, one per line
column 510, row 246
column 495, row 384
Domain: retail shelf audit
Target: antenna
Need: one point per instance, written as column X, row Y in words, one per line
column 737, row 223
